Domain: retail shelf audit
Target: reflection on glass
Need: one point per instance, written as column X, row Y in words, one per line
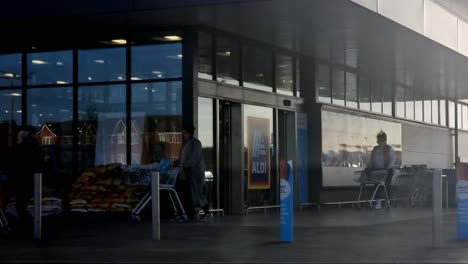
column 409, row 97
column 206, row 137
column 259, row 152
column 10, row 70
column 351, row 90
column 376, row 91
column 427, row 111
column 102, row 125
column 451, row 114
column 258, row 70
column 157, row 61
column 205, row 56
column 465, row 117
column 227, row 61
column 10, row 106
column 323, row 83
column 284, row 75
column 418, row 107
column 387, row 98
column 50, row 67
column 101, row 65
column 364, row 93
column 400, row 101
column 443, row 112
column 435, row 111
column 51, row 115
column 338, row 87
column 459, row 116
column 157, row 120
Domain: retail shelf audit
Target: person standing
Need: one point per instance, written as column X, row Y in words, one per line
column 383, row 158
column 193, row 167
column 27, row 160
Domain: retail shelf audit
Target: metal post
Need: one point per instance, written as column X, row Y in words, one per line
column 437, row 208
column 155, row 205
column 37, row 206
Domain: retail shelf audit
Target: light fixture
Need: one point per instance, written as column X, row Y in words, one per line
column 159, row 75
column 120, row 78
column 99, row 61
column 89, row 78
column 146, row 88
column 224, row 53
column 173, row 38
column 59, row 63
column 8, row 75
column 40, row 114
column 156, row 72
column 38, row 62
column 119, row 41
column 136, row 78
column 61, row 82
column 15, row 94
column 19, row 111
column 260, row 75
column 179, row 55
column 34, row 105
column 33, row 48
column 6, row 111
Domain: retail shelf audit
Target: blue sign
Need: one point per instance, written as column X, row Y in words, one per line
column 286, row 195
column 462, row 200
column 302, row 157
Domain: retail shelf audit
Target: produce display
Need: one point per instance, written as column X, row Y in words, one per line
column 105, row 189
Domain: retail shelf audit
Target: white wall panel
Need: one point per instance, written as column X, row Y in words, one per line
column 406, row 12
column 440, row 25
column 463, row 37
column 370, row 4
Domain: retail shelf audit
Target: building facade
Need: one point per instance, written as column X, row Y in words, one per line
column 263, row 81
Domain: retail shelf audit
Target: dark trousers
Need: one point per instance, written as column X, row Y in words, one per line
column 388, row 185
column 183, row 190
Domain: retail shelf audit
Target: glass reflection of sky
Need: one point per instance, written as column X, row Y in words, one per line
column 101, row 65
column 157, row 61
column 10, row 70
column 10, row 99
column 50, row 67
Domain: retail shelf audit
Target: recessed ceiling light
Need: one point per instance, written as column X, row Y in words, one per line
column 59, row 63
column 34, row 48
column 120, row 78
column 39, row 62
column 99, row 61
column 179, row 55
column 19, row 111
column 136, row 78
column 119, row 41
column 224, row 53
column 8, row 75
column 89, row 78
column 15, row 94
column 173, row 38
column 157, row 72
column 61, row 82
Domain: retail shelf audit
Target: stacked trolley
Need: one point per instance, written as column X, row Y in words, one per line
column 377, row 178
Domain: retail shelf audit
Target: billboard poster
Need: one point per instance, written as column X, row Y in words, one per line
column 462, row 201
column 258, row 132
column 286, row 205
column 302, row 157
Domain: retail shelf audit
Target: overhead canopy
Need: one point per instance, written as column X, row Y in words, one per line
column 332, row 30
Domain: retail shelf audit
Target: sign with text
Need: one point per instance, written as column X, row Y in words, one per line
column 462, row 201
column 286, row 205
column 258, row 132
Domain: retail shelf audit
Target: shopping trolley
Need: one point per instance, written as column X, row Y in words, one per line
column 373, row 177
column 169, row 186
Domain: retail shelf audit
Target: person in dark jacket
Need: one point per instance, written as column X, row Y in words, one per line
column 27, row 160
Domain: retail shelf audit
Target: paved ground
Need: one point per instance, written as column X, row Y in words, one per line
column 329, row 236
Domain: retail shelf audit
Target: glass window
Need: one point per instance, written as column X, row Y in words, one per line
column 409, row 98
column 227, row 61
column 205, row 56
column 427, row 111
column 323, row 83
column 418, row 104
column 101, row 65
column 364, row 93
column 157, row 120
column 50, row 113
column 50, row 67
column 400, row 101
column 258, row 70
column 351, row 90
column 387, row 98
column 10, row 70
column 443, row 112
column 101, row 125
column 435, row 111
column 338, row 87
column 459, row 116
column 465, row 117
column 206, row 136
column 284, row 75
column 157, row 61
column 10, row 105
column 451, row 112
column 376, row 92
column 260, row 178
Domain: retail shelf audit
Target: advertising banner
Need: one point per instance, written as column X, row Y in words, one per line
column 258, row 153
column 286, row 205
column 302, row 157
column 462, row 201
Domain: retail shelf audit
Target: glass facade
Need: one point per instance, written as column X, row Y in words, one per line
column 284, row 75
column 54, row 67
column 205, row 56
column 323, row 83
column 338, row 84
column 258, row 68
column 10, row 70
column 227, row 61
column 101, row 65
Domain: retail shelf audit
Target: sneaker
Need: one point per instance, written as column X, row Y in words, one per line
column 179, row 219
column 378, row 204
column 205, row 217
